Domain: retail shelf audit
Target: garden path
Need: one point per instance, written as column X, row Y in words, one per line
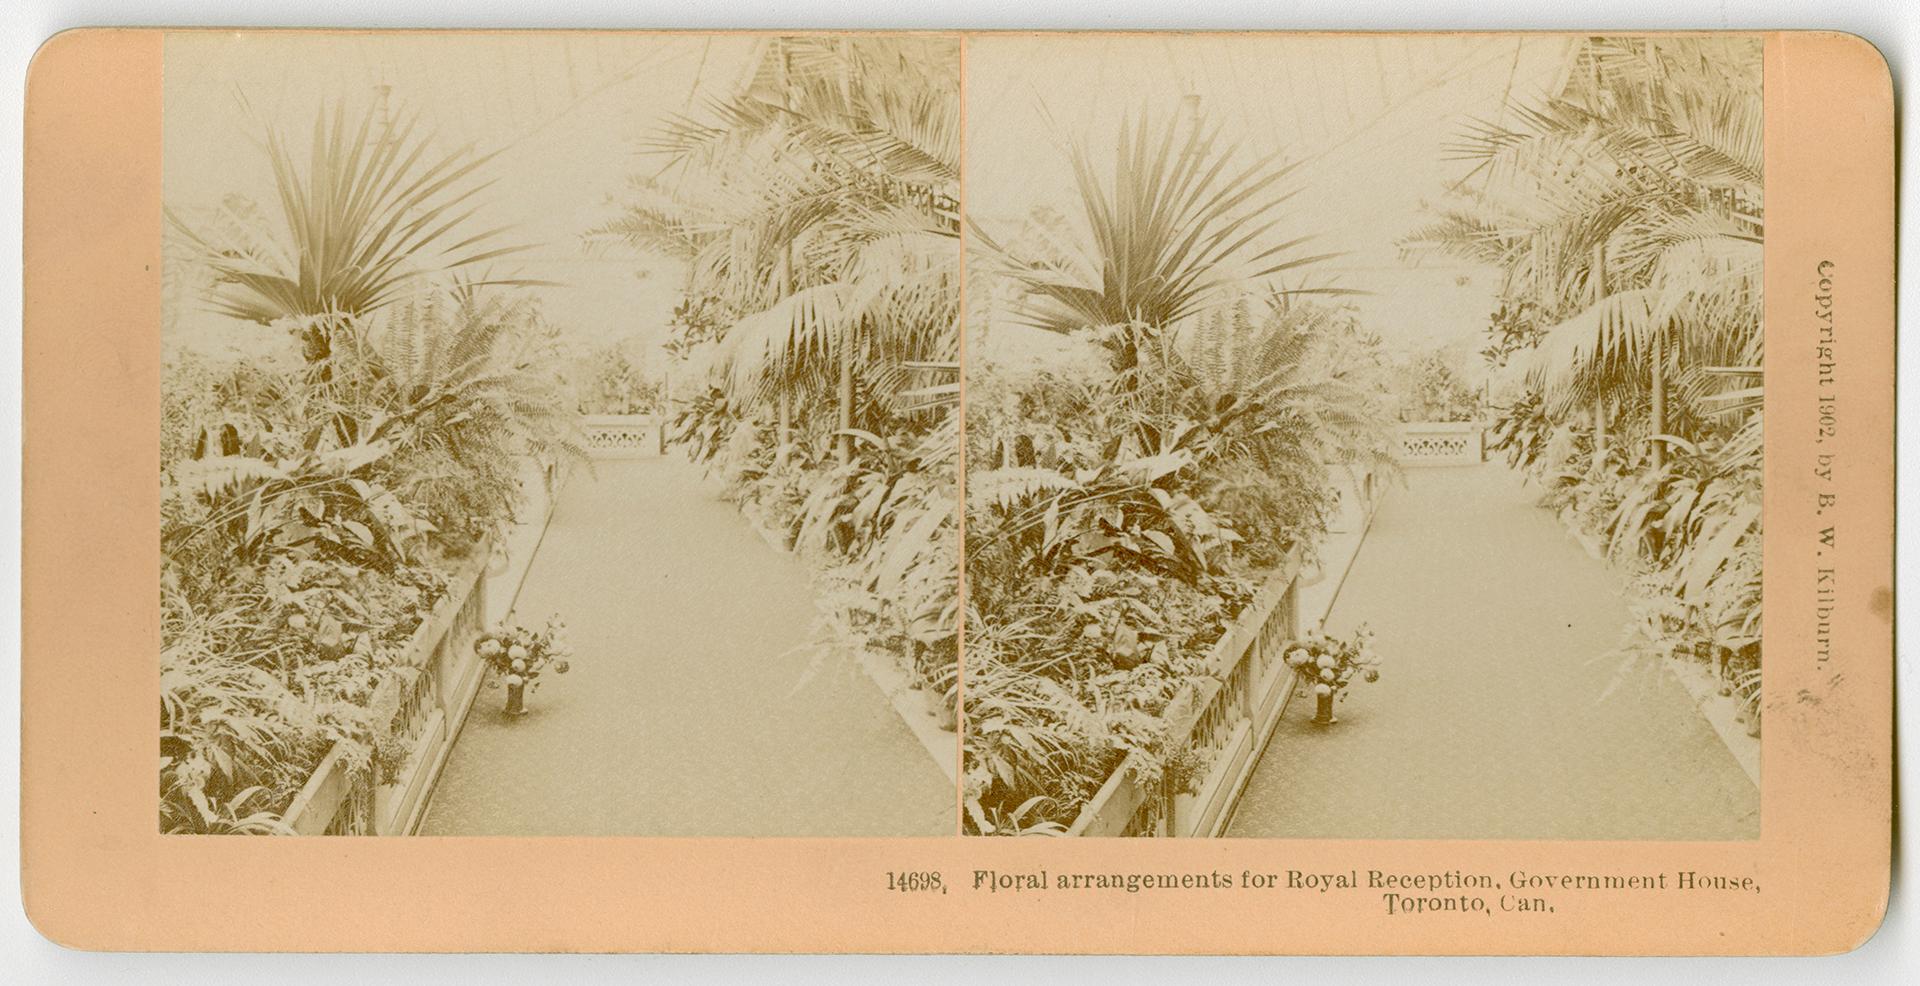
column 693, row 706
column 1493, row 717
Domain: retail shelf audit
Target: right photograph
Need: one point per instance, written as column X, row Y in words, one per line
column 1363, row 436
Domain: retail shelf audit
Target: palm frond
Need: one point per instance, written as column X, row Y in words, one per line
column 366, row 216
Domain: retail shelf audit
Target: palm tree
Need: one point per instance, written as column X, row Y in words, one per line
column 1171, row 230
column 1627, row 208
column 367, row 216
column 821, row 200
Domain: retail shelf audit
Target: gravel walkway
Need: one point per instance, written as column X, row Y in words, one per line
column 694, row 706
column 1489, row 720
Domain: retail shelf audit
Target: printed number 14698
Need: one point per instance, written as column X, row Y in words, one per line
column 916, row 882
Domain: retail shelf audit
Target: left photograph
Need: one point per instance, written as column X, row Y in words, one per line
column 559, row 434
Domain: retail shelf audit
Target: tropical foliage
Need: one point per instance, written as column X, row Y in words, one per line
column 367, row 217
column 1126, row 493
column 1625, row 211
column 1432, row 387
column 614, row 378
column 1190, row 232
column 817, row 209
column 311, row 515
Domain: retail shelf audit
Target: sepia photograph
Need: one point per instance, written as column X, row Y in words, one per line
column 560, row 434
column 719, row 491
column 1363, row 437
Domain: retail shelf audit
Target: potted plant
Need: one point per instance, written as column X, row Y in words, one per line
column 517, row 656
column 1331, row 664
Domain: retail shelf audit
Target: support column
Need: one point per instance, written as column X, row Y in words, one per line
column 1657, row 422
column 843, row 445
column 1597, row 278
column 783, row 437
column 783, row 443
column 1600, row 443
column 784, row 440
column 1657, row 413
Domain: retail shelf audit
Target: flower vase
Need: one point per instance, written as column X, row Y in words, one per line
column 1323, row 705
column 516, row 696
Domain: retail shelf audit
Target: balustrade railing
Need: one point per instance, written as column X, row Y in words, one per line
column 1224, row 718
column 423, row 705
column 623, row 436
column 1440, row 443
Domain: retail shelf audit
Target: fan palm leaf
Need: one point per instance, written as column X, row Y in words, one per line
column 368, row 215
column 1171, row 228
column 821, row 201
column 1626, row 206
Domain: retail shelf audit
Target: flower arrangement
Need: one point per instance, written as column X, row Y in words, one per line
column 518, row 655
column 1331, row 664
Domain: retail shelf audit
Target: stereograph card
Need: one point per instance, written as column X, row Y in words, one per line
column 960, row 492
